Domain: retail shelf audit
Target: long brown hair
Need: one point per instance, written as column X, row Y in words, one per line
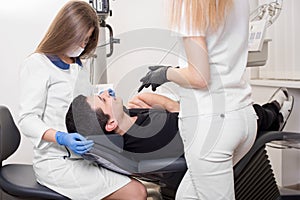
column 201, row 14
column 68, row 29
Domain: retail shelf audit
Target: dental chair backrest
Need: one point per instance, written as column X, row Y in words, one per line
column 8, row 142
column 17, row 181
column 108, row 153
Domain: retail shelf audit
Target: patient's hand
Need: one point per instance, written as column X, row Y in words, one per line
column 136, row 102
column 152, row 100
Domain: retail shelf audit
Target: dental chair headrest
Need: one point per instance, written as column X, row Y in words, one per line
column 82, row 119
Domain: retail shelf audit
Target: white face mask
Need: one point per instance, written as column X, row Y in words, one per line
column 75, row 53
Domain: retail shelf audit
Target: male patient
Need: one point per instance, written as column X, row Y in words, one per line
column 147, row 133
column 152, row 132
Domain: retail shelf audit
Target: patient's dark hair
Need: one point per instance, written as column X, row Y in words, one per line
column 83, row 119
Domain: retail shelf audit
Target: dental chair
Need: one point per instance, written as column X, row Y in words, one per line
column 254, row 178
column 253, row 175
column 17, row 181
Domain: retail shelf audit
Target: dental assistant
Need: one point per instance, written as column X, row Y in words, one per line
column 217, row 121
column 50, row 78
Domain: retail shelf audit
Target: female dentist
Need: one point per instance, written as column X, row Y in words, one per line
column 50, row 78
column 217, row 120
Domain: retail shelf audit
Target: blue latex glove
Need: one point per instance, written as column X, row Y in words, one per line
column 74, row 141
column 155, row 77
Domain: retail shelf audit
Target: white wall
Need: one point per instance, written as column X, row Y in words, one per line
column 283, row 60
column 142, row 26
column 23, row 24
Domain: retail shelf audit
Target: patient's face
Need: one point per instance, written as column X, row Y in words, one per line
column 113, row 106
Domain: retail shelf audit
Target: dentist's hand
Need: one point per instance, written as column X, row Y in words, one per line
column 155, row 77
column 74, row 141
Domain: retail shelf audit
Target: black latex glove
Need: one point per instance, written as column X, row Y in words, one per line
column 155, row 77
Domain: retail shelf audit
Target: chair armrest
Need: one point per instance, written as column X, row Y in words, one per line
column 261, row 142
column 162, row 165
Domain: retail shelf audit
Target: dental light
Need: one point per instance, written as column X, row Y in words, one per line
column 101, row 7
column 269, row 11
column 260, row 19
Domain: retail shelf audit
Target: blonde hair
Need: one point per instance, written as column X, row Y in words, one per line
column 201, row 14
column 69, row 28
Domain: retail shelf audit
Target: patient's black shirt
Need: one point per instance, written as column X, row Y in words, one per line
column 154, row 134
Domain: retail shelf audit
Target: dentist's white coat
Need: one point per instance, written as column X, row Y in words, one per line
column 46, row 93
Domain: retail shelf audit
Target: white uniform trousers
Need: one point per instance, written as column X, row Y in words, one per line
column 213, row 144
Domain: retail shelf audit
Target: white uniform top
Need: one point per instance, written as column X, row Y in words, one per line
column 227, row 51
column 47, row 89
column 46, row 93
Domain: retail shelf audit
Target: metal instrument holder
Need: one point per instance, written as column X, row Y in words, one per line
column 98, row 63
